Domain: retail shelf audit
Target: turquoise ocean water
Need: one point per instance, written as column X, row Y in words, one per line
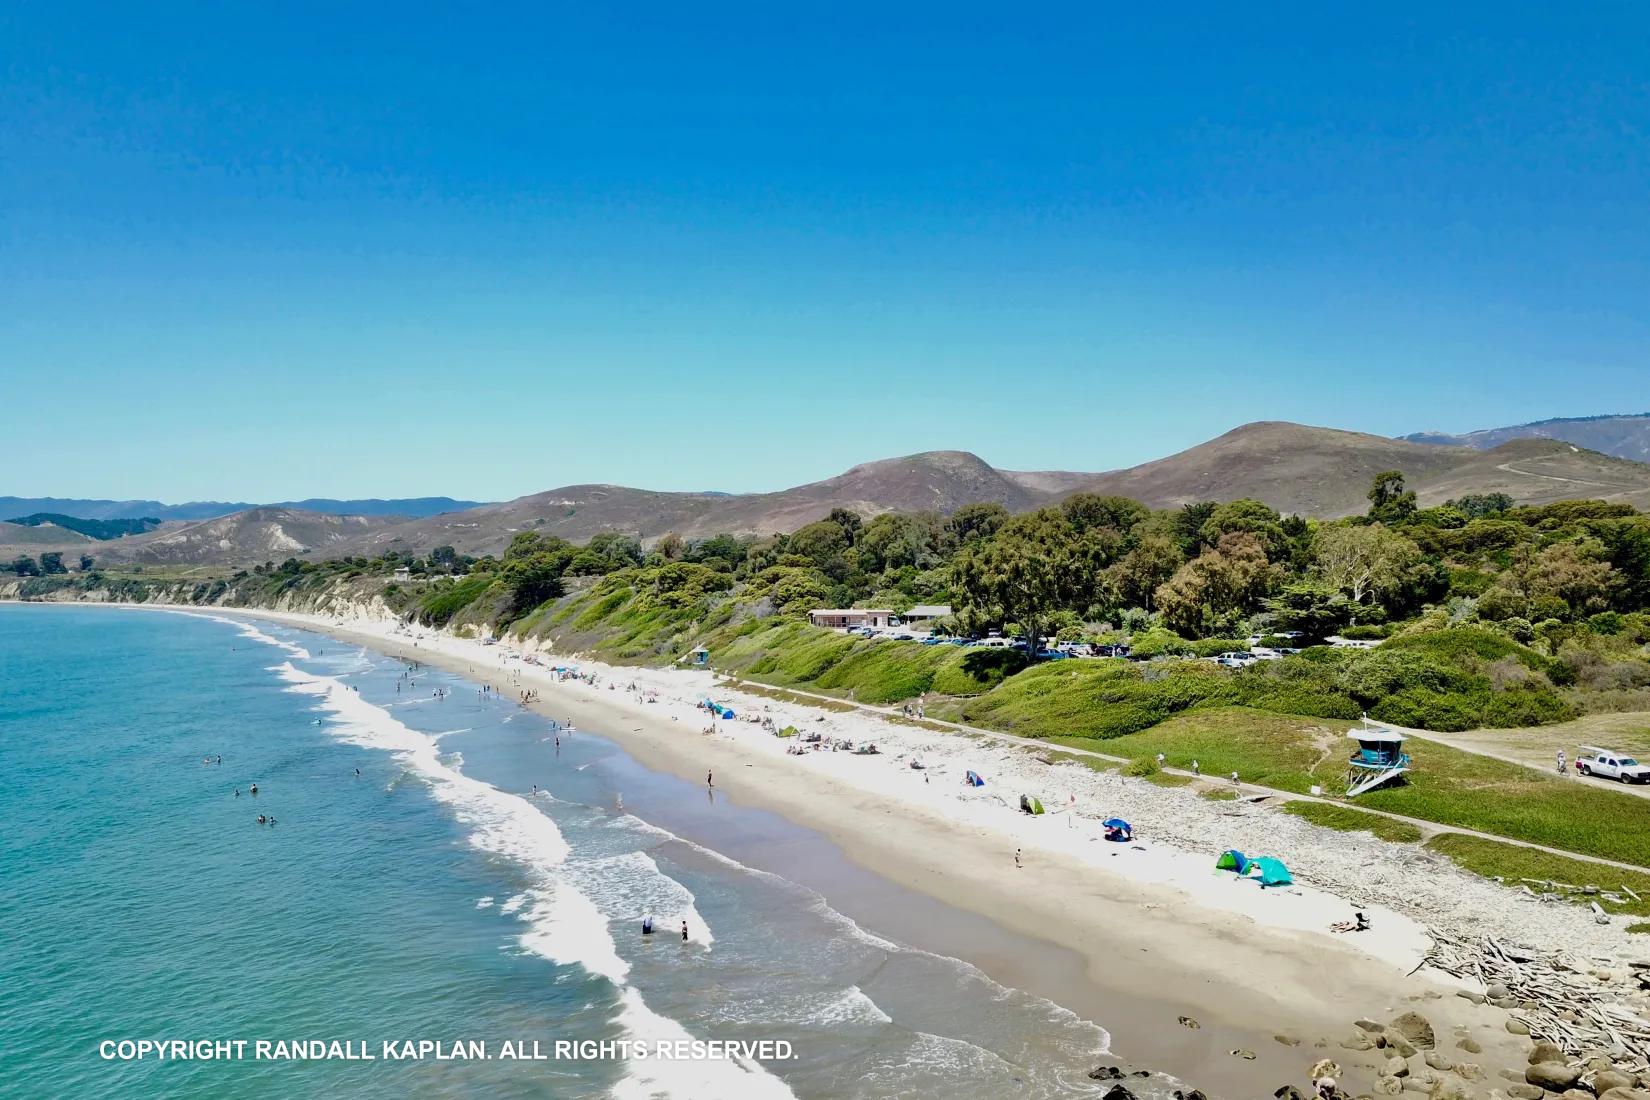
column 472, row 882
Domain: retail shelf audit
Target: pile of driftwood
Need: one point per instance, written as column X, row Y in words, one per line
column 1558, row 999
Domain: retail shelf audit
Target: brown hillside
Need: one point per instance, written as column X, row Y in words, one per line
column 1293, row 467
column 244, row 538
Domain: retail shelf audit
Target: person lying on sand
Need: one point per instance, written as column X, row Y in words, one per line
column 1359, row 924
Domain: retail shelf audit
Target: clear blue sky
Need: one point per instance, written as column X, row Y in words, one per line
column 350, row 250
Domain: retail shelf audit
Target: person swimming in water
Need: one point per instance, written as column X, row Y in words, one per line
column 254, row 788
column 262, row 819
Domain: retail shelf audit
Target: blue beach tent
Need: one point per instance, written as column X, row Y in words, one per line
column 973, row 779
column 1117, row 829
column 1271, row 872
column 1232, row 860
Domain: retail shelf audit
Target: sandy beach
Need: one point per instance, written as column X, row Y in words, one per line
column 1152, row 925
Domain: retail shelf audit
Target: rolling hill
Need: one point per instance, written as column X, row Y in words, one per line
column 1319, row 472
column 939, row 480
column 211, row 509
column 245, row 538
column 1625, row 436
column 1293, row 467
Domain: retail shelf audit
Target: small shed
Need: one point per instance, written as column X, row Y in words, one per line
column 699, row 657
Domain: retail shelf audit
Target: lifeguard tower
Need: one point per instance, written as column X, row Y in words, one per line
column 1380, row 758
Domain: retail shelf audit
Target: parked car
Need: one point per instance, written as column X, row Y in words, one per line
column 1233, row 658
column 1609, row 764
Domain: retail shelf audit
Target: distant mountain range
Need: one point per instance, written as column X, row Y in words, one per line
column 1321, row 472
column 412, row 507
column 1626, row 436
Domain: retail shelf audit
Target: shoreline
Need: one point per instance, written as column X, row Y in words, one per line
column 1148, row 948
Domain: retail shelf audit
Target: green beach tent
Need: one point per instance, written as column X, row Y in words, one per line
column 788, row 731
column 1232, row 860
column 1030, row 804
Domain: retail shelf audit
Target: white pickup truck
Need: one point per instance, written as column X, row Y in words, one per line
column 1609, row 764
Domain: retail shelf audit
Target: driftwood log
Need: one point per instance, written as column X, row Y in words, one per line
column 1571, row 1008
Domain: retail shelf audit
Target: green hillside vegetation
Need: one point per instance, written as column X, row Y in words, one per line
column 100, row 529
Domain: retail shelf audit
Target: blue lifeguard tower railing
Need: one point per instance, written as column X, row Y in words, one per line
column 1380, row 758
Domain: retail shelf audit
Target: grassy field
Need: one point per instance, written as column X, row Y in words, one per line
column 1511, row 863
column 1447, row 786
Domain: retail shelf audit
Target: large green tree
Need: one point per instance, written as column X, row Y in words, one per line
column 1366, row 563
column 1389, row 501
column 1209, row 591
column 1034, row 565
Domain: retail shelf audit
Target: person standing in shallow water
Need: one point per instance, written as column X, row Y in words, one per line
column 684, row 931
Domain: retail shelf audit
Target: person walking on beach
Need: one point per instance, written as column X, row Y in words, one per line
column 709, row 780
column 1017, row 862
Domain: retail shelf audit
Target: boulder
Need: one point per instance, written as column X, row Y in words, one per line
column 1395, row 1067
column 1388, row 1086
column 1606, row 1079
column 1525, row 1092
column 1496, row 989
column 1552, row 1076
column 1470, row 1046
column 1448, row 1090
column 1546, row 1051
column 1416, row 1028
column 1469, row 995
column 1517, row 1027
column 1288, row 1092
column 1437, row 1061
column 1105, row 1073
column 1469, row 1071
column 1370, row 1026
column 1323, row 1067
column 1119, row 1092
column 1624, row 1094
column 1188, row 1022
column 1395, row 1043
column 1357, row 1041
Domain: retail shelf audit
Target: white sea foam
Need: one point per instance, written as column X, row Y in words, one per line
column 247, row 630
column 630, row 886
column 512, row 903
column 851, row 1006
column 484, row 903
column 563, row 924
column 647, row 1079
